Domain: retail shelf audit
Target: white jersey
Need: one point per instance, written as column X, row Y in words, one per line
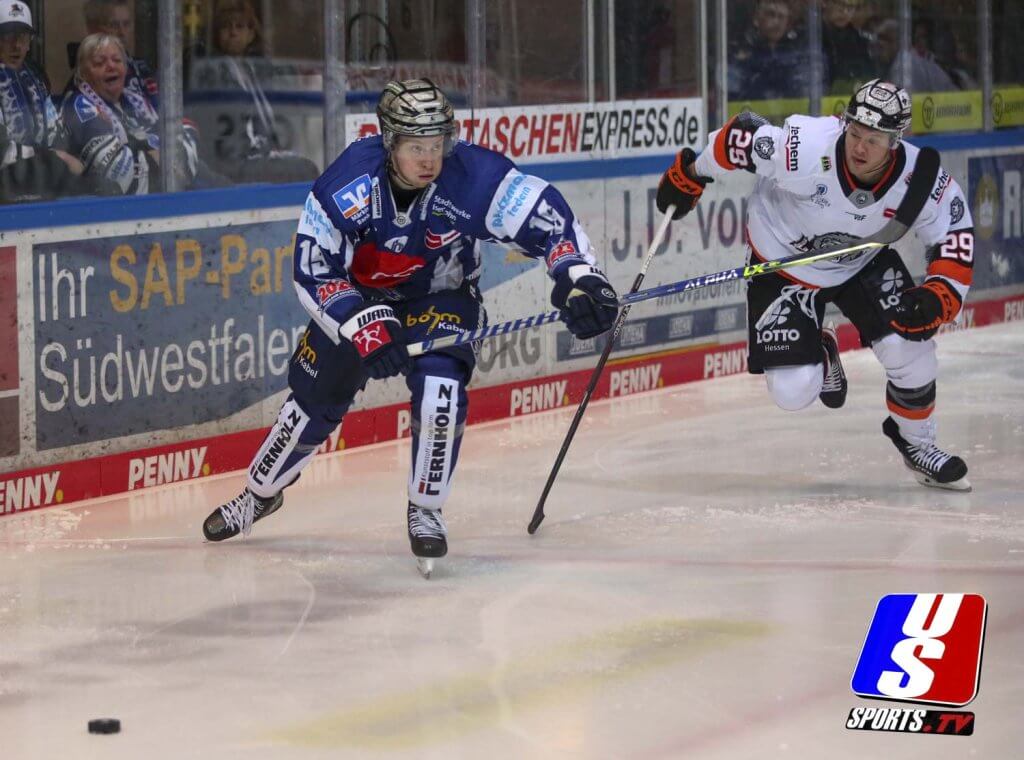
column 806, row 199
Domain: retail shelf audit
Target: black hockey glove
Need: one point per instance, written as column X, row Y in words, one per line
column 922, row 310
column 376, row 334
column 587, row 301
column 680, row 187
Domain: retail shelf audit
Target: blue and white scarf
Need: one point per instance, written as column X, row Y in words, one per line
column 26, row 109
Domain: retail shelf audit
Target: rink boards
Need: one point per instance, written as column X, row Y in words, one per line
column 141, row 351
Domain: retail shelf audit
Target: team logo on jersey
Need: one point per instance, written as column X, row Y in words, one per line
column 396, row 243
column 923, row 648
column 354, row 198
column 828, row 240
column 434, row 240
column 86, row 110
column 956, row 210
column 819, row 198
column 764, row 147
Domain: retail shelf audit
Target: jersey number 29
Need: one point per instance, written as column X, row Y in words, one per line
column 958, row 246
column 739, row 147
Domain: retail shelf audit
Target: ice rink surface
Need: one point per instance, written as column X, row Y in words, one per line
column 701, row 588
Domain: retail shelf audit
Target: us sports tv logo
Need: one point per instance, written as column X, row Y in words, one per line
column 925, row 649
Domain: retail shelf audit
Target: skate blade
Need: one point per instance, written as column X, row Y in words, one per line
column 425, row 565
column 963, row 485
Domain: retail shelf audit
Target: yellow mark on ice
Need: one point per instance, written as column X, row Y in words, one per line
column 451, row 707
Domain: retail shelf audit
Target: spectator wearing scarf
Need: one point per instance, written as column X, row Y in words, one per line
column 116, row 17
column 33, row 162
column 114, row 134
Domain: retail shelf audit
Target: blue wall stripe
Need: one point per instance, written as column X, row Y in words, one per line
column 248, row 197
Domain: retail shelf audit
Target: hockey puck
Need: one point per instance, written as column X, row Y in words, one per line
column 104, row 726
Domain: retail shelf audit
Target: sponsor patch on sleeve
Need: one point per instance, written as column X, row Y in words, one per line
column 334, row 290
column 561, row 252
column 353, row 200
column 511, row 205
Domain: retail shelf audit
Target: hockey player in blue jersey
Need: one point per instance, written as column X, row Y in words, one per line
column 387, row 254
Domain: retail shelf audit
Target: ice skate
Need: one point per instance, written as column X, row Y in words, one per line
column 930, row 464
column 238, row 515
column 428, row 537
column 833, row 390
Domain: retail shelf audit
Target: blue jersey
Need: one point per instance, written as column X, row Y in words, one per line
column 353, row 245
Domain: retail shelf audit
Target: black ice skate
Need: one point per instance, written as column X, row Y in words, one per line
column 238, row 515
column 833, row 390
column 931, row 465
column 428, row 537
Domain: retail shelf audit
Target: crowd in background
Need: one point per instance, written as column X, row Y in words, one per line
column 95, row 132
column 99, row 134
column 769, row 51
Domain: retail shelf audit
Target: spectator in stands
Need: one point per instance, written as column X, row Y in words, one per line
column 252, row 152
column 33, row 162
column 236, row 37
column 114, row 135
column 925, row 74
column 845, row 45
column 116, row 18
column 947, row 42
column 770, row 61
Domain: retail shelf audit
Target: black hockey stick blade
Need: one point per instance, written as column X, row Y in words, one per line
column 922, row 180
column 538, row 512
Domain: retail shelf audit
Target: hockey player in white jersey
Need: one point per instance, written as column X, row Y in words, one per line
column 820, row 183
column 386, row 254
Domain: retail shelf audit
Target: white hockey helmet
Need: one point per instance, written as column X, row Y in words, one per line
column 416, row 108
column 882, row 106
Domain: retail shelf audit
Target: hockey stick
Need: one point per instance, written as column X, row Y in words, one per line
column 926, row 170
column 917, row 193
column 538, row 513
column 536, row 320
column 515, row 325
